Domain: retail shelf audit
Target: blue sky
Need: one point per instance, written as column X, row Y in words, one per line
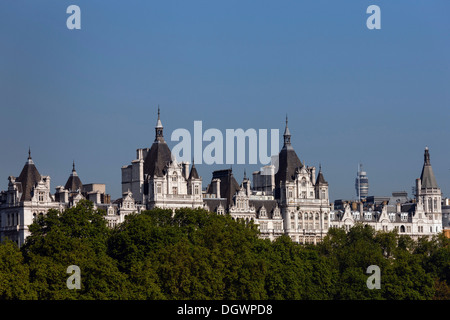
column 352, row 94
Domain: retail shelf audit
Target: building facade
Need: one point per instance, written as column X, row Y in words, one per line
column 29, row 196
column 292, row 199
column 420, row 216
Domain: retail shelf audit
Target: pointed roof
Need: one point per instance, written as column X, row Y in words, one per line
column 193, row 174
column 74, row 182
column 288, row 161
column 320, row 179
column 28, row 178
column 158, row 122
column 427, row 178
column 159, row 154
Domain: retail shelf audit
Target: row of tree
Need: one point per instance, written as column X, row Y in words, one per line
column 195, row 254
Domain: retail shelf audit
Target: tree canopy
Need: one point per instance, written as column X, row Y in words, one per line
column 196, row 254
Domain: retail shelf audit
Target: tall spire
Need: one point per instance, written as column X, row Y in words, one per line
column 73, row 166
column 287, row 134
column 428, row 180
column 159, row 128
column 30, row 160
column 158, row 122
column 426, row 157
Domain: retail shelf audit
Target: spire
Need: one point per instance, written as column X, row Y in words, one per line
column 159, row 128
column 426, row 157
column 74, row 183
column 158, row 122
column 320, row 179
column 287, row 135
column 28, row 178
column 193, row 174
column 428, row 180
column 30, row 160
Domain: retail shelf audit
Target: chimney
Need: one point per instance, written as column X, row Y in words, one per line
column 216, row 187
column 361, row 207
column 185, row 169
column 399, row 207
column 418, row 187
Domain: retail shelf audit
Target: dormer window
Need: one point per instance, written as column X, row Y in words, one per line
column 303, row 182
column 174, row 177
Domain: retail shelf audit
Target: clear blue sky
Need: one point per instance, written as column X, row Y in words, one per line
column 352, row 94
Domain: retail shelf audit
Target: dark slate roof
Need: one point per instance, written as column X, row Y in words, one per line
column 320, row 179
column 427, row 178
column 193, row 174
column 157, row 158
column 28, row 178
column 213, row 203
column 288, row 161
column 74, row 182
column 159, row 155
column 270, row 205
column 228, row 184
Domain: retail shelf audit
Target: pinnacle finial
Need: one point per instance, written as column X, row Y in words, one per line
column 29, row 153
column 158, row 111
column 73, row 165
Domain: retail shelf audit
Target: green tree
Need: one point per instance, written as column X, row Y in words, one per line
column 14, row 274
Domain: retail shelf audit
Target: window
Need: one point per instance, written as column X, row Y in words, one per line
column 322, row 194
column 304, row 194
column 290, row 193
column 196, row 189
column 303, row 182
column 300, row 226
column 158, row 188
column 41, row 196
column 430, row 205
column 435, row 204
column 174, row 190
column 174, row 177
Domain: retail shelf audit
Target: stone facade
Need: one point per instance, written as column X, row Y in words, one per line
column 292, row 199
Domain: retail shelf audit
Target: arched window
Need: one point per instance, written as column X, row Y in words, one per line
column 402, row 229
column 174, row 177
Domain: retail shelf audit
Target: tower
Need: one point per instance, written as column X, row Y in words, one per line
column 361, row 184
column 428, row 195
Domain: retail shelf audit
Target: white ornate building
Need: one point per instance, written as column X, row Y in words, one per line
column 420, row 217
column 293, row 201
column 29, row 196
